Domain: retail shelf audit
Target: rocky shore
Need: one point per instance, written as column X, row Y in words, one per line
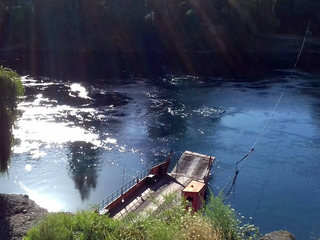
column 17, row 215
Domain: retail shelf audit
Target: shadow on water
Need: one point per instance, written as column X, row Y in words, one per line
column 83, row 166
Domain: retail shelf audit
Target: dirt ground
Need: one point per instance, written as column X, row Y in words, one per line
column 17, row 215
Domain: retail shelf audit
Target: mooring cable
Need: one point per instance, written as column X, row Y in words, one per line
column 245, row 158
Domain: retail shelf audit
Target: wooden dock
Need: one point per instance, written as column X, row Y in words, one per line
column 192, row 169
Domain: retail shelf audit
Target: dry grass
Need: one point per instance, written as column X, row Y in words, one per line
column 197, row 227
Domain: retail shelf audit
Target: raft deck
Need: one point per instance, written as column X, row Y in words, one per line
column 194, row 166
column 191, row 166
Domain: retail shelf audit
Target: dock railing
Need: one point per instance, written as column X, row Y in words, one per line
column 116, row 194
column 157, row 170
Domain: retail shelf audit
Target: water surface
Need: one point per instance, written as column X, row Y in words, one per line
column 74, row 140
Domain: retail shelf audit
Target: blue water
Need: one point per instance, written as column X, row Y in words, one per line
column 74, row 140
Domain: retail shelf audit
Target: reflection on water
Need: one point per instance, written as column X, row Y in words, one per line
column 75, row 138
column 83, row 161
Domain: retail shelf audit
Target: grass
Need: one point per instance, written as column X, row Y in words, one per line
column 226, row 221
column 216, row 221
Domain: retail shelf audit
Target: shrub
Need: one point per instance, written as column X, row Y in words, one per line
column 10, row 89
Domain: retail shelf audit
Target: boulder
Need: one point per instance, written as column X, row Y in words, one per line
column 278, row 235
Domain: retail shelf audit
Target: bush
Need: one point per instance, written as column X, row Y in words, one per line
column 10, row 89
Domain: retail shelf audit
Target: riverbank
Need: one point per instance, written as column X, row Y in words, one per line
column 18, row 214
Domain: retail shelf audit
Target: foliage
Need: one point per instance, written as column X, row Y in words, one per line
column 83, row 225
column 172, row 221
column 222, row 217
column 173, row 25
column 225, row 220
column 10, row 89
column 294, row 16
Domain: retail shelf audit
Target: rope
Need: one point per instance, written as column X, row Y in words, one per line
column 226, row 168
column 261, row 133
column 245, row 158
column 304, row 40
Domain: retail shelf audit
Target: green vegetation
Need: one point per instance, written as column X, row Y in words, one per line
column 226, row 221
column 216, row 221
column 115, row 38
column 10, row 89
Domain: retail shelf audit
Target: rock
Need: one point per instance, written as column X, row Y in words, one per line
column 278, row 235
column 17, row 215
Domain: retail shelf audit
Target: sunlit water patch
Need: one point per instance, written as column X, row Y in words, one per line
column 53, row 134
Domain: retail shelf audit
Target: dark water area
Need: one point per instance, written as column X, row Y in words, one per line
column 88, row 66
column 75, row 136
column 115, row 65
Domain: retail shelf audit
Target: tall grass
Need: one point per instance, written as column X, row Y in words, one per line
column 225, row 220
column 221, row 216
column 217, row 221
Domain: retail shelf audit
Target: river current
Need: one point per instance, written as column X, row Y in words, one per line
column 74, row 140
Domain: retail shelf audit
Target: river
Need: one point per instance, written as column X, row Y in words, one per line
column 74, row 140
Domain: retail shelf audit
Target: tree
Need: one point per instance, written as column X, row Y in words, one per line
column 294, row 16
column 10, row 89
